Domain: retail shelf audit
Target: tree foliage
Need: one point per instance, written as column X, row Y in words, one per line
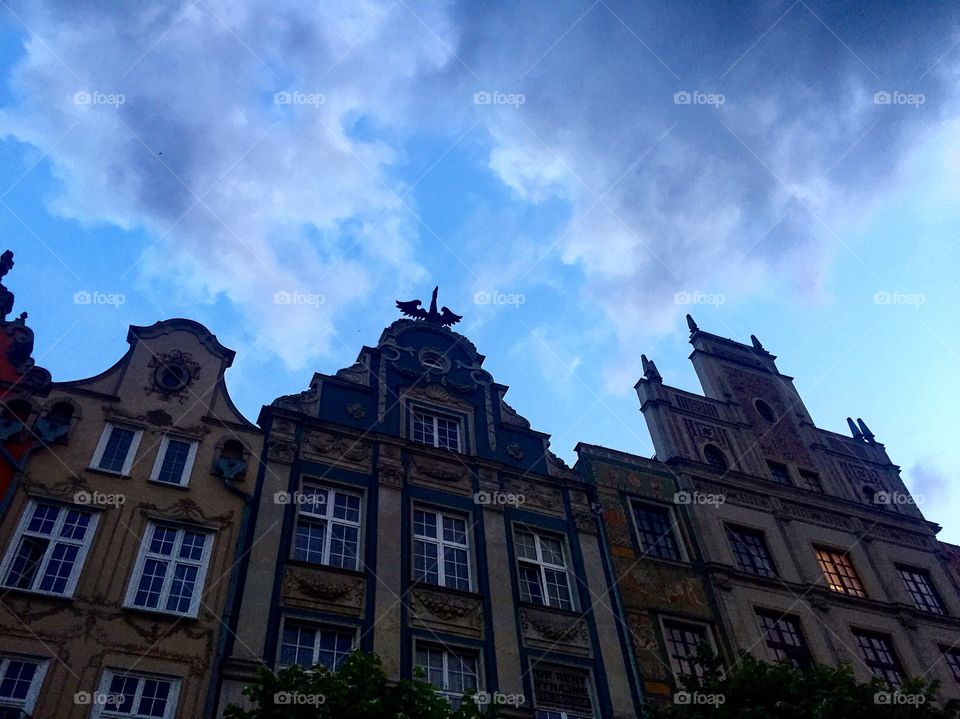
column 760, row 690
column 359, row 689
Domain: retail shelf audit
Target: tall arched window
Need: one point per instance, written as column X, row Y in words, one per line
column 715, row 457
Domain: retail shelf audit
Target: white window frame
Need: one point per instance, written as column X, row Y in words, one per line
column 172, row 559
column 328, row 520
column 542, row 565
column 442, row 544
column 102, row 446
column 317, row 627
column 53, row 539
column 162, row 454
column 446, row 650
column 435, row 415
column 105, row 711
column 33, row 693
column 707, row 632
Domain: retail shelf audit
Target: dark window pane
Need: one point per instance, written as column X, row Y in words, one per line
column 656, row 532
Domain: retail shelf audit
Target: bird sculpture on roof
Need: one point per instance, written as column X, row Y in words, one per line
column 414, row 309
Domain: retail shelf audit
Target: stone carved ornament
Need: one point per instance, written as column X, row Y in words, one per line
column 449, row 607
column 555, row 629
column 323, row 588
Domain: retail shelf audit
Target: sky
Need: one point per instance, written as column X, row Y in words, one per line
column 576, row 176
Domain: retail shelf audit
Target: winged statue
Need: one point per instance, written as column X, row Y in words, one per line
column 414, row 309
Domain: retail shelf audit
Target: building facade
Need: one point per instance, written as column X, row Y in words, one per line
column 157, row 549
column 22, row 383
column 407, row 509
column 814, row 547
column 119, row 542
column 665, row 597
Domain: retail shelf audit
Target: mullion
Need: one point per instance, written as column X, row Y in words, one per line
column 171, row 569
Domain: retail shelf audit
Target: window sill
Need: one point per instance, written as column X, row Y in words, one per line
column 543, row 607
column 173, row 616
column 36, row 593
column 422, row 584
column 158, row 483
column 325, row 568
column 108, row 472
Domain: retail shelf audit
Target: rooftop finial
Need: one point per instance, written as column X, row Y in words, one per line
column 691, row 324
column 414, row 309
column 854, row 430
column 6, row 296
column 756, row 342
column 650, row 370
column 867, row 434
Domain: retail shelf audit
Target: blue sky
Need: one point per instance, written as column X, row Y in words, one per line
column 600, row 161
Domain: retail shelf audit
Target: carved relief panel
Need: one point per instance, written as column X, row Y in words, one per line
column 446, row 611
column 318, row 588
column 555, row 631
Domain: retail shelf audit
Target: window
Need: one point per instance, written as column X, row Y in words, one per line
column 655, row 527
column 542, row 569
column 876, row 650
column 810, row 480
column 751, row 552
column 839, row 572
column 170, row 570
column 549, row 714
column 328, row 527
column 715, row 457
column 436, row 430
column 765, row 410
column 174, row 461
column 783, row 636
column 780, row 473
column 953, row 661
column 116, row 449
column 48, row 549
column 452, row 672
column 141, row 696
column 921, row 588
column 20, row 680
column 311, row 645
column 441, row 550
column 685, row 645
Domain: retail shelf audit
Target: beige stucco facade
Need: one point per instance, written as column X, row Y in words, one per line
column 162, row 511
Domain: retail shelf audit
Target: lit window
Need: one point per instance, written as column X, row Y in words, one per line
column 839, row 572
column 876, row 650
column 542, row 569
column 751, row 552
column 170, row 570
column 116, row 449
column 328, row 527
column 780, row 473
column 686, row 644
column 655, row 530
column 20, row 681
column 174, row 461
column 308, row 645
column 452, row 672
column 920, row 586
column 137, row 696
column 48, row 549
column 810, row 480
column 436, row 430
column 441, row 549
column 783, row 636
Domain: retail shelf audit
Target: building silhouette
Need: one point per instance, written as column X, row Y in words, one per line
column 157, row 549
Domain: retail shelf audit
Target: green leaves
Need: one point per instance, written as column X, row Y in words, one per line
column 758, row 690
column 358, row 690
